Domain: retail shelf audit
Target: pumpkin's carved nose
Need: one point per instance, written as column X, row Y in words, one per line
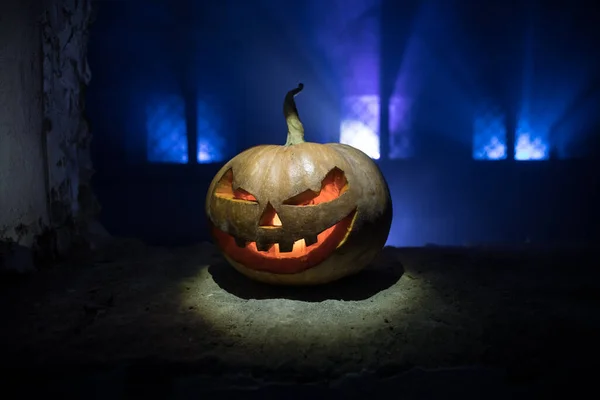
column 269, row 218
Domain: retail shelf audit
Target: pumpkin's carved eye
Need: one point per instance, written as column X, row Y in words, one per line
column 333, row 186
column 225, row 190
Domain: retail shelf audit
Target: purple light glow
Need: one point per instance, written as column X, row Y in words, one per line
column 360, row 124
column 400, row 128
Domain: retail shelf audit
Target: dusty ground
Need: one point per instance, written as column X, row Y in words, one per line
column 136, row 313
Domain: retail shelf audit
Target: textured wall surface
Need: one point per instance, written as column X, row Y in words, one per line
column 23, row 206
column 46, row 203
column 66, row 74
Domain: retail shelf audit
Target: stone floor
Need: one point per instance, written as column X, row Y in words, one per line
column 422, row 322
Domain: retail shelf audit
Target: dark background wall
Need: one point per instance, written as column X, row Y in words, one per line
column 224, row 67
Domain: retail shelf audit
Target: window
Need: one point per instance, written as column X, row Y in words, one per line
column 489, row 135
column 166, row 130
column 360, row 125
column 166, row 127
column 528, row 145
column 211, row 144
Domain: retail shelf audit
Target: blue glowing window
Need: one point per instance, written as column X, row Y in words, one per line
column 211, row 145
column 529, row 146
column 166, row 130
column 489, row 136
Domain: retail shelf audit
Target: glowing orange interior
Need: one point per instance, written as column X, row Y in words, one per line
column 333, row 186
column 269, row 218
column 225, row 190
column 302, row 256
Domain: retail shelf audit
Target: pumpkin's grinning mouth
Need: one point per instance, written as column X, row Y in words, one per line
column 300, row 246
column 281, row 247
column 288, row 256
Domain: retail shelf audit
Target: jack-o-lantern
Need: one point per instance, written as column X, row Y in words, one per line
column 302, row 213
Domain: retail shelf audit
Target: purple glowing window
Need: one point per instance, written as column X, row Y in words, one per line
column 360, row 125
column 400, row 128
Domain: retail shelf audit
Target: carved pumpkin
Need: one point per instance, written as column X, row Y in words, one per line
column 299, row 214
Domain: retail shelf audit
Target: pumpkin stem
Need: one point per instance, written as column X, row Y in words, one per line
column 290, row 112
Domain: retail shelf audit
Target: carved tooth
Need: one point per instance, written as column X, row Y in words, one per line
column 240, row 242
column 263, row 246
column 286, row 246
column 311, row 239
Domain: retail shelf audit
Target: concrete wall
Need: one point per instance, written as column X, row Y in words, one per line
column 23, row 206
column 66, row 74
column 46, row 204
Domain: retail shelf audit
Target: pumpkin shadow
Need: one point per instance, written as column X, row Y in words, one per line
column 380, row 275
